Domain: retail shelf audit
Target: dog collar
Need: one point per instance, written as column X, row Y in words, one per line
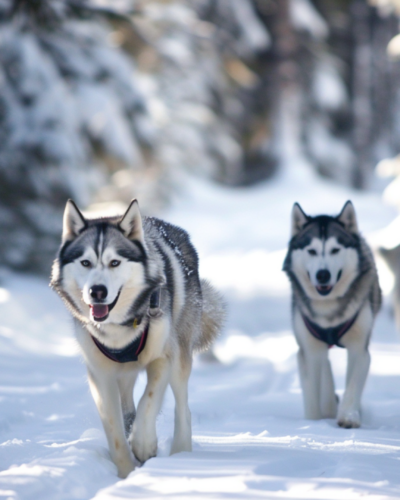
column 127, row 353
column 330, row 336
column 155, row 299
column 153, row 310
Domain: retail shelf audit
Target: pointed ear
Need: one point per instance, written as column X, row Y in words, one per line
column 73, row 222
column 131, row 223
column 348, row 217
column 299, row 219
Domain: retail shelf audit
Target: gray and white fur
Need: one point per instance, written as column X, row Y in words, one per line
column 392, row 258
column 107, row 271
column 334, row 282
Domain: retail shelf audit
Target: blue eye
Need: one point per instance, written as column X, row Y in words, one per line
column 312, row 251
column 85, row 263
column 335, row 250
column 115, row 263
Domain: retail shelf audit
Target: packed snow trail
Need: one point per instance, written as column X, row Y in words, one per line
column 250, row 439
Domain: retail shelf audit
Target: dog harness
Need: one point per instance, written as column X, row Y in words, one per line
column 131, row 351
column 330, row 336
column 127, row 353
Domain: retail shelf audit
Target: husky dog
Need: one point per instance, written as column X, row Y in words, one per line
column 392, row 258
column 133, row 287
column 336, row 297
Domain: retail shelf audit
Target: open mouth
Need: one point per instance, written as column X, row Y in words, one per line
column 100, row 312
column 324, row 289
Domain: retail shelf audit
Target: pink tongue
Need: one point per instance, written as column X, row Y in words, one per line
column 99, row 310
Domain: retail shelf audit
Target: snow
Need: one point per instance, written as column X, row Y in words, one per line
column 305, row 17
column 329, row 90
column 250, row 439
column 254, row 34
column 321, row 143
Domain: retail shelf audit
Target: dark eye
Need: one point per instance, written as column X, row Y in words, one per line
column 85, row 263
column 312, row 252
column 335, row 250
column 115, row 263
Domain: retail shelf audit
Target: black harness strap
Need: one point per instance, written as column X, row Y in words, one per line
column 132, row 350
column 155, row 299
column 330, row 336
column 154, row 306
column 127, row 353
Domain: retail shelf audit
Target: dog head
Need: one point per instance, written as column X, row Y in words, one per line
column 103, row 264
column 323, row 253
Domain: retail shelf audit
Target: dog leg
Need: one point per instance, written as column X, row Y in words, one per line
column 183, row 422
column 358, row 361
column 126, row 382
column 312, row 362
column 105, row 392
column 143, row 439
column 329, row 400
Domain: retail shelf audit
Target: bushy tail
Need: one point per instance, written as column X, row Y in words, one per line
column 213, row 316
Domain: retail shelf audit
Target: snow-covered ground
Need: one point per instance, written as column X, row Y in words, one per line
column 250, row 439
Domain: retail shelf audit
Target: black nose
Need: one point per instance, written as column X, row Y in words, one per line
column 98, row 292
column 323, row 276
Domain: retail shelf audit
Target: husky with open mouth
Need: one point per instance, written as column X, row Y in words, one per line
column 133, row 287
column 335, row 298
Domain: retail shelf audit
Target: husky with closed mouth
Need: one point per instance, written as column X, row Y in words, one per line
column 133, row 287
column 335, row 298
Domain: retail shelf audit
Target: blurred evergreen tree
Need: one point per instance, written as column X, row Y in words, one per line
column 68, row 102
column 106, row 100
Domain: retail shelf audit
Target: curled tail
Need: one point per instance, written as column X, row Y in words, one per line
column 213, row 315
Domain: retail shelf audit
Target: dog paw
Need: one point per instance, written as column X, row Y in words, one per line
column 125, row 464
column 125, row 469
column 350, row 420
column 179, row 445
column 143, row 449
